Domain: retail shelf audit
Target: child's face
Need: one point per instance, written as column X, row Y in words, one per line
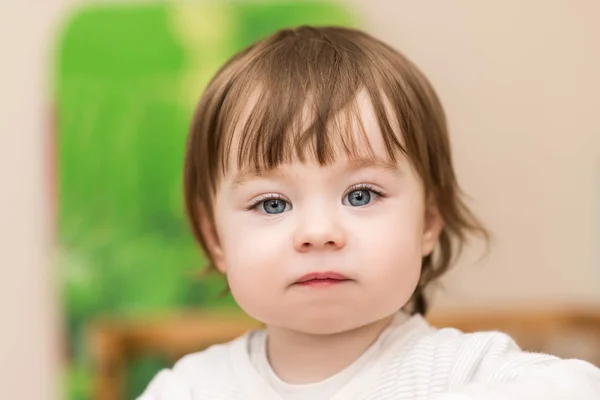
column 365, row 220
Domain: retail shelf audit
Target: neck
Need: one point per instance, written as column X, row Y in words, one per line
column 301, row 358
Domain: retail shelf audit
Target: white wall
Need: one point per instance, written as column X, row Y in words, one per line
column 520, row 84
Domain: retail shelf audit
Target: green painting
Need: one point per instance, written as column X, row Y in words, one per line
column 126, row 81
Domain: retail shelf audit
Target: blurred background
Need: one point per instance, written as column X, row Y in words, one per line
column 100, row 285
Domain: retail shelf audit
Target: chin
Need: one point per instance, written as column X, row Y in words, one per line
column 310, row 328
column 326, row 323
column 313, row 322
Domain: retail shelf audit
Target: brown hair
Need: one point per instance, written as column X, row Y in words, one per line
column 263, row 93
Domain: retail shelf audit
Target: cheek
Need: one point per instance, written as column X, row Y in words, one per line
column 394, row 235
column 394, row 276
column 250, row 243
column 393, row 254
column 253, row 257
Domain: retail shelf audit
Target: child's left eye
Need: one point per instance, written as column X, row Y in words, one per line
column 360, row 196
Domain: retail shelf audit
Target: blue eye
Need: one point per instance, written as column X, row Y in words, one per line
column 270, row 204
column 359, row 198
column 274, row 206
column 361, row 195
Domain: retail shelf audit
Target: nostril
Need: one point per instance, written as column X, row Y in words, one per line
column 307, row 245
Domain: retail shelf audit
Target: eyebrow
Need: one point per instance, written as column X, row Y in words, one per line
column 353, row 165
column 356, row 164
column 252, row 173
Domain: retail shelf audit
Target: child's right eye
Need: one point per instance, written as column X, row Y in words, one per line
column 274, row 206
column 271, row 204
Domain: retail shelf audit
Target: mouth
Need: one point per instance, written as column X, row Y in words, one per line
column 321, row 279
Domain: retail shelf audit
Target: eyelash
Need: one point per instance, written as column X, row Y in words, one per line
column 275, row 196
column 365, row 186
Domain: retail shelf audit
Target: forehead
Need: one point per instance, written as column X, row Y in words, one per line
column 352, row 134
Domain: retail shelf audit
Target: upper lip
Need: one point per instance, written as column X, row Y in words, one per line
column 321, row 276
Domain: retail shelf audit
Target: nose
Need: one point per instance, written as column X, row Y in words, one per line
column 319, row 232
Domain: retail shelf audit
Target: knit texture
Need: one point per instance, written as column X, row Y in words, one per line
column 425, row 363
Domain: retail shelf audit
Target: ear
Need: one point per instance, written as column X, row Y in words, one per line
column 432, row 227
column 211, row 240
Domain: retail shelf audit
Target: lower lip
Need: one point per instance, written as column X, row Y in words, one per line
column 322, row 282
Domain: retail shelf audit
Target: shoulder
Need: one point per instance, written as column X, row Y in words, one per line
column 455, row 357
column 474, row 351
column 432, row 361
column 491, row 357
column 474, row 345
column 491, row 363
column 453, row 342
column 207, row 371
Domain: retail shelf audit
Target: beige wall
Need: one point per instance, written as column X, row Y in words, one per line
column 29, row 330
column 520, row 83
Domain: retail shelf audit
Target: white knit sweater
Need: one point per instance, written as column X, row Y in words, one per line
column 419, row 363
